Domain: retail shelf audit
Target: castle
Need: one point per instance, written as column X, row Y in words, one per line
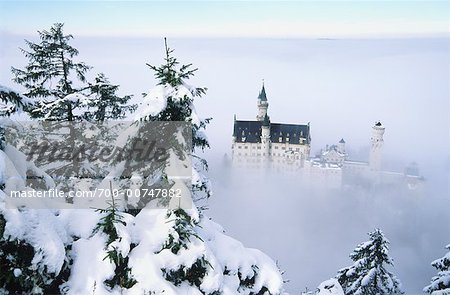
column 262, row 145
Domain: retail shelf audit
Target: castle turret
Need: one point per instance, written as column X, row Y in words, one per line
column 265, row 138
column 341, row 146
column 263, row 105
column 376, row 145
column 234, row 129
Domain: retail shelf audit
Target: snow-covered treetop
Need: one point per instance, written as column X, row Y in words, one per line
column 173, row 98
column 378, row 245
column 368, row 274
column 440, row 284
column 51, row 69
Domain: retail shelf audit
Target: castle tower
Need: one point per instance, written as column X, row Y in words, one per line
column 234, row 130
column 376, row 145
column 341, row 146
column 263, row 105
column 265, row 138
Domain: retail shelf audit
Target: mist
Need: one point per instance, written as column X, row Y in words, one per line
column 311, row 231
column 340, row 86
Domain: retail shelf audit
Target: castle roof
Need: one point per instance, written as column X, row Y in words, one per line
column 262, row 95
column 342, row 140
column 250, row 131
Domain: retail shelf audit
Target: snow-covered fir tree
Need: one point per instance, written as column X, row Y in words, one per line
column 52, row 77
column 369, row 274
column 58, row 86
column 440, row 284
column 58, row 83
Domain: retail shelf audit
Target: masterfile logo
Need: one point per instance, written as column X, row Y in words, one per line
column 85, row 164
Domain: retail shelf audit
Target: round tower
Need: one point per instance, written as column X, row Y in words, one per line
column 341, row 146
column 262, row 104
column 265, row 138
column 376, row 145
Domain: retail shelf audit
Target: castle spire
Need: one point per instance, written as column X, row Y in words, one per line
column 262, row 104
column 262, row 95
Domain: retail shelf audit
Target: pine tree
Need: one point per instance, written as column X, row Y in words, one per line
column 368, row 274
column 104, row 103
column 179, row 100
column 52, row 75
column 111, row 219
column 57, row 85
column 180, row 108
column 440, row 284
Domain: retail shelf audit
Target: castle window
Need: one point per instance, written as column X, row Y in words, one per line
column 276, row 147
column 245, row 147
column 280, row 139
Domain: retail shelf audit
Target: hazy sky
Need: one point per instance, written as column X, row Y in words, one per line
column 231, row 18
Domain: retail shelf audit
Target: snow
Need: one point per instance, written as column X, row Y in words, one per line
column 75, row 98
column 17, row 272
column 90, row 268
column 154, row 102
column 42, row 230
column 369, row 277
column 233, row 256
column 330, row 287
